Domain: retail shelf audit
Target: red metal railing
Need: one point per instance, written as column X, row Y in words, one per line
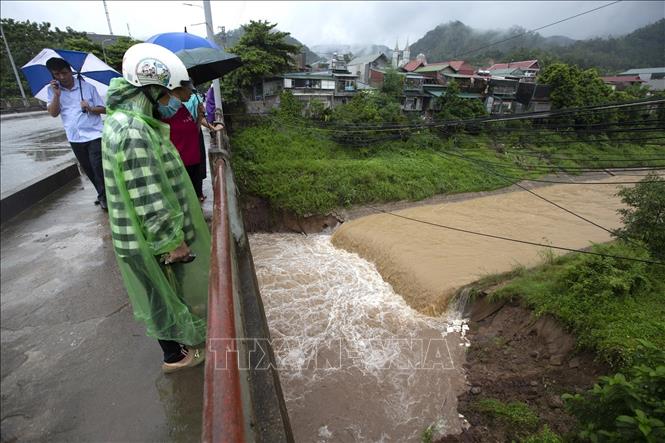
column 222, row 402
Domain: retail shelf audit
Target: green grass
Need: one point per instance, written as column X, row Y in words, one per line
column 301, row 169
column 609, row 304
column 520, row 420
column 544, row 436
column 514, row 414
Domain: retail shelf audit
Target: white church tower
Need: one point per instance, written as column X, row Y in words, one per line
column 396, row 54
column 406, row 55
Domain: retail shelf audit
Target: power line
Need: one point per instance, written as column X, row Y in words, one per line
column 547, row 167
column 535, row 194
column 466, row 231
column 536, row 29
column 595, row 157
column 490, row 119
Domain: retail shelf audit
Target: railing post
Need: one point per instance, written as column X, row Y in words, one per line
column 219, row 146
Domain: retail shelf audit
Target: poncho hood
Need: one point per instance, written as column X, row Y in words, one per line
column 124, row 96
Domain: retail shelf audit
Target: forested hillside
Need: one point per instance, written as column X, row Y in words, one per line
column 641, row 48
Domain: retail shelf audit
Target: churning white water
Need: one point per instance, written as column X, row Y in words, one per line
column 356, row 362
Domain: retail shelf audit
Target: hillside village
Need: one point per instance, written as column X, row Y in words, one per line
column 503, row 88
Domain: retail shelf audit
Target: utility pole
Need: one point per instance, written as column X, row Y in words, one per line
column 211, row 38
column 11, row 59
column 108, row 19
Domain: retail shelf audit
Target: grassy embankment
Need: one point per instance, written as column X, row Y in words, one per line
column 608, row 304
column 611, row 306
column 301, row 169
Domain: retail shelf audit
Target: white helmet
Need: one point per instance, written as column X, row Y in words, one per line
column 150, row 64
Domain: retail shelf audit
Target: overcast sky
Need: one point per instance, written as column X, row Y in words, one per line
column 349, row 22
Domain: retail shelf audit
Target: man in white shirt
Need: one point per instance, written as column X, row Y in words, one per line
column 79, row 105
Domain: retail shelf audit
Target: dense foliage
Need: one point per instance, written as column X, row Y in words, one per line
column 644, row 216
column 230, row 38
column 264, row 53
column 608, row 303
column 572, row 87
column 453, row 107
column 628, row 406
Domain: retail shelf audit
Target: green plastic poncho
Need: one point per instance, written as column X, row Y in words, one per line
column 152, row 208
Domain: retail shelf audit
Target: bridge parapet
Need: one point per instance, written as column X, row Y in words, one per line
column 243, row 399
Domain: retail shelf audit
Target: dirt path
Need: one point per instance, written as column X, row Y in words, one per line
column 427, row 264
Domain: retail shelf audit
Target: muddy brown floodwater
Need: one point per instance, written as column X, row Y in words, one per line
column 384, row 372
column 426, row 264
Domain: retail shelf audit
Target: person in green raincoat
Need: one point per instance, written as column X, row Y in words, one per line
column 160, row 237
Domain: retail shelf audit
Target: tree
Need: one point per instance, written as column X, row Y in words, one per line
column 392, row 84
column 454, row 107
column 290, row 108
column 644, row 219
column 264, row 53
column 116, row 51
column 571, row 87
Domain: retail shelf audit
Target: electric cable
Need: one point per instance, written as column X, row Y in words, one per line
column 535, row 194
column 467, row 231
column 457, row 56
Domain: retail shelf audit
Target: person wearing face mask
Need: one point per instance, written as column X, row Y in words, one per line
column 195, row 107
column 182, row 116
column 184, row 134
column 160, row 237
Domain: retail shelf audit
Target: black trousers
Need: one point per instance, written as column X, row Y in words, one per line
column 89, row 156
column 196, row 177
column 172, row 351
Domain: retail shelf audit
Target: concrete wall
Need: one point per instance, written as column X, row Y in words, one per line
column 35, row 190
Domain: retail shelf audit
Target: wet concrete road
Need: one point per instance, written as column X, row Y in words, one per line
column 75, row 365
column 31, row 145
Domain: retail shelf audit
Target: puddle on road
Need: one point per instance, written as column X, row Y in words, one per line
column 378, row 370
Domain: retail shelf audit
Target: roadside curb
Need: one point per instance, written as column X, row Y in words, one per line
column 16, row 115
column 35, row 190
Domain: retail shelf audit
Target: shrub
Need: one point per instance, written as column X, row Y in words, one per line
column 627, row 407
column 644, row 219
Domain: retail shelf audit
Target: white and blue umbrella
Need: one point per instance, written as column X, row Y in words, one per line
column 85, row 66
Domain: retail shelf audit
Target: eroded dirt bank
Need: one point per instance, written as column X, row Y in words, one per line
column 516, row 357
column 427, row 264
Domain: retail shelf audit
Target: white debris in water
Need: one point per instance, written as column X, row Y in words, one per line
column 324, row 432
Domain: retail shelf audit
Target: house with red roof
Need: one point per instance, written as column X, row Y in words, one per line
column 413, row 65
column 527, row 69
column 621, row 82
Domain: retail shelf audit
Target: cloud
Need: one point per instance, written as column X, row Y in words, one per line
column 349, row 22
